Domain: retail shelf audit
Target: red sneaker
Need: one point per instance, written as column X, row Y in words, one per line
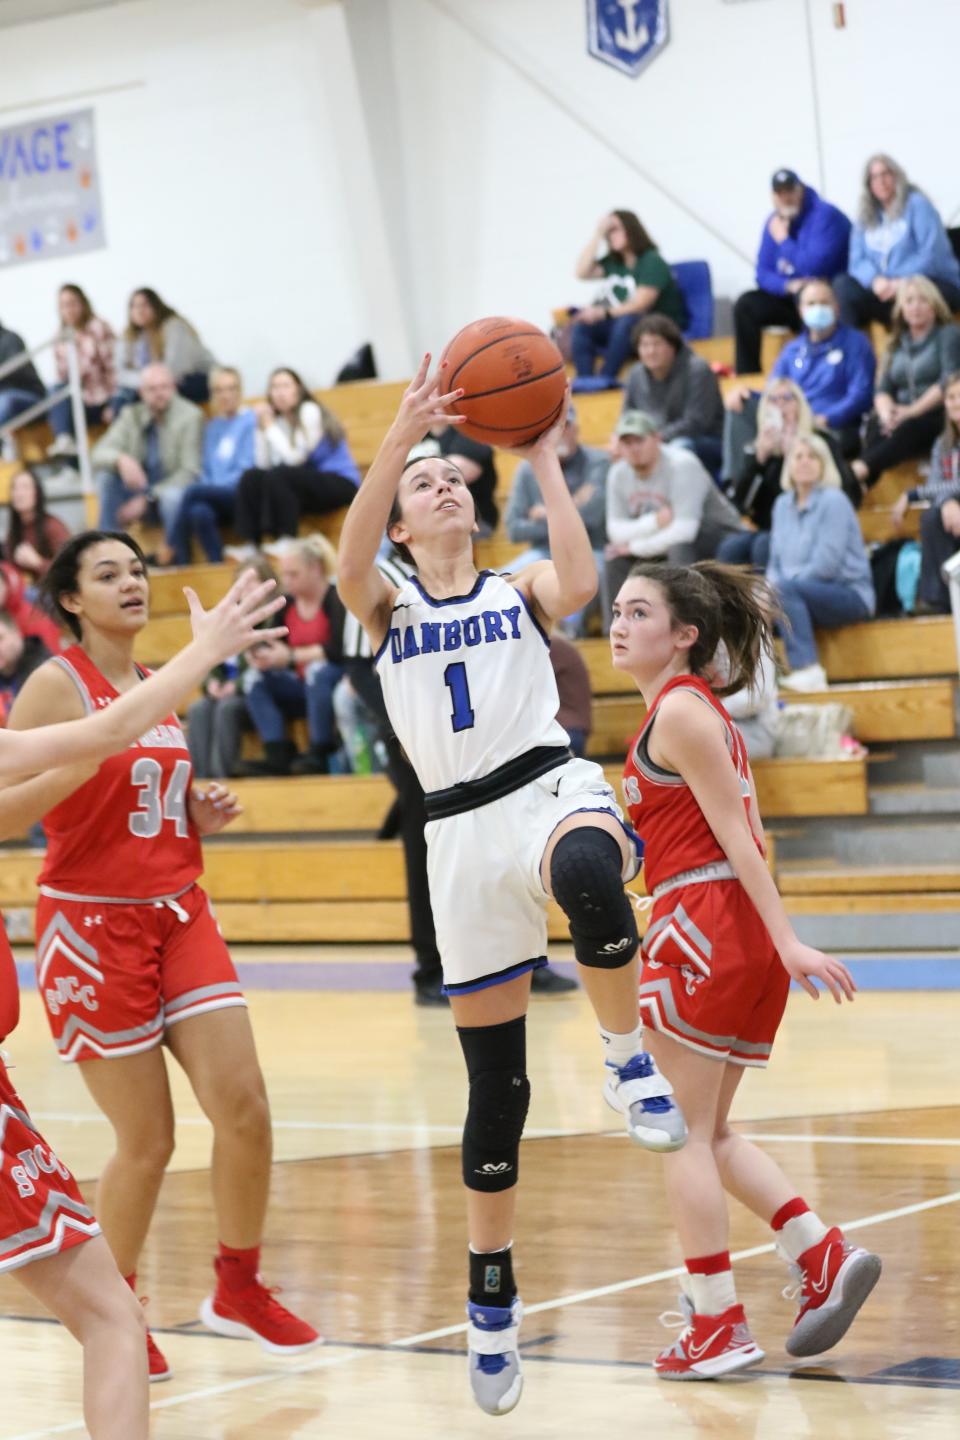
column 709, row 1345
column 833, row 1280
column 157, row 1362
column 250, row 1312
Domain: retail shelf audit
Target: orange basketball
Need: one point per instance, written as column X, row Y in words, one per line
column 513, row 380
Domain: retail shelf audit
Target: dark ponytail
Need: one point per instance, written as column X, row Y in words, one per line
column 729, row 606
column 63, row 576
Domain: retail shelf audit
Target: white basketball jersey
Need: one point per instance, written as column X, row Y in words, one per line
column 467, row 681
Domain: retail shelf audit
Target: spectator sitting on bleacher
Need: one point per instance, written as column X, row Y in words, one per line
column 22, row 387
column 940, row 522
column 155, row 333
column 834, row 365
column 585, row 471
column 636, row 279
column 29, row 619
column 661, row 504
column 297, row 676
column 678, row 389
column 908, row 415
column 783, row 415
column 148, row 457
column 19, row 656
column 898, row 234
column 303, row 465
column 228, row 451
column 756, row 709
column 818, row 562
column 218, row 721
column 805, row 237
column 33, row 537
column 476, row 463
column 96, row 362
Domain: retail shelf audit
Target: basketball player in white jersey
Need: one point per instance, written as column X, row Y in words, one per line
column 512, row 818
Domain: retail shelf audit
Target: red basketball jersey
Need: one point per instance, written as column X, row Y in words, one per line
column 9, row 988
column 662, row 806
column 126, row 833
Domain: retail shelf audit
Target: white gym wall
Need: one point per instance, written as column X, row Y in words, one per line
column 300, row 175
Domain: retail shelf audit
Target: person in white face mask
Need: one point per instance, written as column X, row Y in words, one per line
column 804, row 237
column 833, row 365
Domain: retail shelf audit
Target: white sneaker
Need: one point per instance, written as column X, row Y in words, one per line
column 239, row 554
column 643, row 1097
column 63, row 446
column 950, row 569
column 496, row 1377
column 810, row 677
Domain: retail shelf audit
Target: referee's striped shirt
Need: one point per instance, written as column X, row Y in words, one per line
column 356, row 641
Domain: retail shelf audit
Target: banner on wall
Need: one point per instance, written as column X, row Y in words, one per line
column 627, row 34
column 50, row 201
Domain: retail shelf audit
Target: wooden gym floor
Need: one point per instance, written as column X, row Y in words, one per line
column 366, row 1233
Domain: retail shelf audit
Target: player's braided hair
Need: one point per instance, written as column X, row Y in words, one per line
column 63, row 576
column 729, row 606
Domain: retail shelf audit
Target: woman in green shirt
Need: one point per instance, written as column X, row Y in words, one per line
column 636, row 280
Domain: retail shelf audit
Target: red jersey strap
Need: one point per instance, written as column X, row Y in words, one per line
column 76, row 663
column 697, row 686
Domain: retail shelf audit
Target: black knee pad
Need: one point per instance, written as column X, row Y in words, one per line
column 586, row 876
column 496, row 1057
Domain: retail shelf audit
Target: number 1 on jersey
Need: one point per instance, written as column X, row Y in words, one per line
column 455, row 678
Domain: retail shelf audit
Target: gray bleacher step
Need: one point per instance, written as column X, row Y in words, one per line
column 919, row 762
column 876, row 839
column 890, row 930
column 914, row 800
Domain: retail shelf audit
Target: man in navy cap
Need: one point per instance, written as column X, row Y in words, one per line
column 805, row 238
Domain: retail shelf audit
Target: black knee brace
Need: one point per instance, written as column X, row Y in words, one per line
column 496, row 1057
column 586, row 876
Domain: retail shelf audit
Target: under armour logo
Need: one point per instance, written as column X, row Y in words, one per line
column 615, row 946
column 89, row 920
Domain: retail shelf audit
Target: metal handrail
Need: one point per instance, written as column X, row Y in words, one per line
column 72, row 388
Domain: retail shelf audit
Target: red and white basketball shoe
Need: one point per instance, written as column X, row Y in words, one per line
column 832, row 1280
column 157, row 1362
column 251, row 1312
column 709, row 1345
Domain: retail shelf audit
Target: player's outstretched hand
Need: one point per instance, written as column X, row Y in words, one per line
column 231, row 626
column 212, row 809
column 425, row 404
column 546, row 443
column 804, row 964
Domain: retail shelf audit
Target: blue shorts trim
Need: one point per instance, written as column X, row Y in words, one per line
column 500, row 978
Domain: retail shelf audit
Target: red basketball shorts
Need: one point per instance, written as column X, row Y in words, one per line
column 41, row 1210
column 711, row 978
column 113, row 978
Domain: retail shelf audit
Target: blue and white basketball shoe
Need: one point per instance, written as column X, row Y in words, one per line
column 496, row 1378
column 643, row 1097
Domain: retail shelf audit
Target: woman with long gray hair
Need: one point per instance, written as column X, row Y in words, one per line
column 897, row 234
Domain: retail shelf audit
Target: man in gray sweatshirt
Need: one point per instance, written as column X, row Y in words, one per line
column 585, row 471
column 661, row 504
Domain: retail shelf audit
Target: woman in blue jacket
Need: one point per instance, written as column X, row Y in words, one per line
column 898, row 233
column 818, row 562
